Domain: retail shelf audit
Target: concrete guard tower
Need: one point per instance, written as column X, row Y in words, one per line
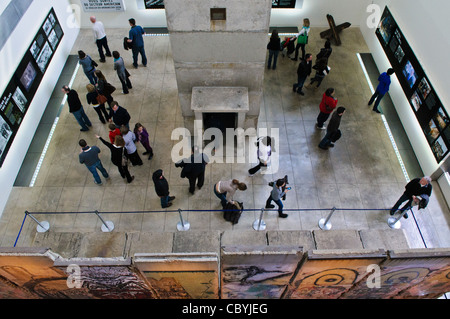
column 219, row 51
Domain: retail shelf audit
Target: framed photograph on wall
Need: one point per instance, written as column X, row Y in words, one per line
column 428, row 109
column 5, row 135
column 25, row 81
column 424, row 88
column 439, row 149
column 386, row 27
column 410, row 73
column 28, row 76
column 416, row 101
column 283, row 4
column 154, row 4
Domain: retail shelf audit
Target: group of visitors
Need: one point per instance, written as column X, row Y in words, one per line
column 122, row 141
column 417, row 191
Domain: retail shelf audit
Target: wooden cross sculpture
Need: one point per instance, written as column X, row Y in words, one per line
column 334, row 30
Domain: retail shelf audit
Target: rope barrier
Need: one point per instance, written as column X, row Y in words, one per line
column 183, row 225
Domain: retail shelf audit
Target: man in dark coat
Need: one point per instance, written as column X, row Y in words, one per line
column 194, row 168
column 76, row 108
column 333, row 132
column 119, row 116
column 303, row 71
column 162, row 188
column 418, row 191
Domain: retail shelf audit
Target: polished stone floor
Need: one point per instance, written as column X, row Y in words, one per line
column 361, row 173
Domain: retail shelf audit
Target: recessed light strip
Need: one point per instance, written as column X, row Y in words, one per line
column 386, row 125
column 50, row 135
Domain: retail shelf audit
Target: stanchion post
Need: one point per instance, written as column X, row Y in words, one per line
column 107, row 226
column 42, row 227
column 324, row 223
column 182, row 225
column 259, row 224
column 395, row 223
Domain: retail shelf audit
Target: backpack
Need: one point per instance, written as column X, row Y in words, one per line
column 232, row 212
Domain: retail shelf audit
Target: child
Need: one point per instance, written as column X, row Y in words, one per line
column 113, row 131
column 142, row 136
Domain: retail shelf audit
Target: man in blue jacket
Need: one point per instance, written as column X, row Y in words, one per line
column 383, row 87
column 135, row 37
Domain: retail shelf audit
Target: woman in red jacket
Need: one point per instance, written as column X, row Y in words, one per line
column 328, row 104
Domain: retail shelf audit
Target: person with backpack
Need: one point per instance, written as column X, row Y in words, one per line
column 275, row 195
column 325, row 52
column 322, row 70
column 333, row 132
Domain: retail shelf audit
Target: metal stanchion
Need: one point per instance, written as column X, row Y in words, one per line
column 107, row 226
column 395, row 223
column 42, row 227
column 324, row 224
column 259, row 224
column 182, row 225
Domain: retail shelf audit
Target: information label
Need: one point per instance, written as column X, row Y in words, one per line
column 102, row 5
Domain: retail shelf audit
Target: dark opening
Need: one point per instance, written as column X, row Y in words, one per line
column 222, row 121
column 218, row 14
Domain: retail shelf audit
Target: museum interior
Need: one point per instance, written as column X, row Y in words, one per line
column 207, row 81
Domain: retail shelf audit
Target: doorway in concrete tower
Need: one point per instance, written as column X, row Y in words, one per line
column 220, row 121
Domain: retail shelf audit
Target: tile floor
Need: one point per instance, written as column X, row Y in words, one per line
column 361, row 173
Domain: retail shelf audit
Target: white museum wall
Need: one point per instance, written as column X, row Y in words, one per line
column 424, row 25
column 315, row 10
column 10, row 57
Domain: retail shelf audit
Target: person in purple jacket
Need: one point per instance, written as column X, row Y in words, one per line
column 383, row 87
column 143, row 137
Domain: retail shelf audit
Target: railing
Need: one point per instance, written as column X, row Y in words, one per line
column 259, row 224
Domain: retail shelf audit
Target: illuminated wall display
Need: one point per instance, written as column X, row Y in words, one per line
column 283, row 4
column 24, row 83
column 427, row 107
column 154, row 4
column 159, row 4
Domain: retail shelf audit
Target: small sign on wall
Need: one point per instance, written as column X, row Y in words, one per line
column 102, row 5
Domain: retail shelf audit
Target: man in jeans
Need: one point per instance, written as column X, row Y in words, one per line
column 89, row 157
column 303, row 71
column 135, row 37
column 276, row 195
column 100, row 38
column 383, row 87
column 76, row 108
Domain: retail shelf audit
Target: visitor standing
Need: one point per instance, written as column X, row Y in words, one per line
column 100, row 38
column 136, row 39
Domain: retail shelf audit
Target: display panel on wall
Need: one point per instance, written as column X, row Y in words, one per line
column 159, row 4
column 24, row 83
column 427, row 107
column 154, row 4
column 283, row 4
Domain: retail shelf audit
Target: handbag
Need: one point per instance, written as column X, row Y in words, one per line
column 93, row 63
column 101, row 99
column 303, row 38
column 109, row 89
column 124, row 158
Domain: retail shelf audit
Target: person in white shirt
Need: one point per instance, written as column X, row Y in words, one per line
column 100, row 38
column 264, row 151
column 302, row 39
